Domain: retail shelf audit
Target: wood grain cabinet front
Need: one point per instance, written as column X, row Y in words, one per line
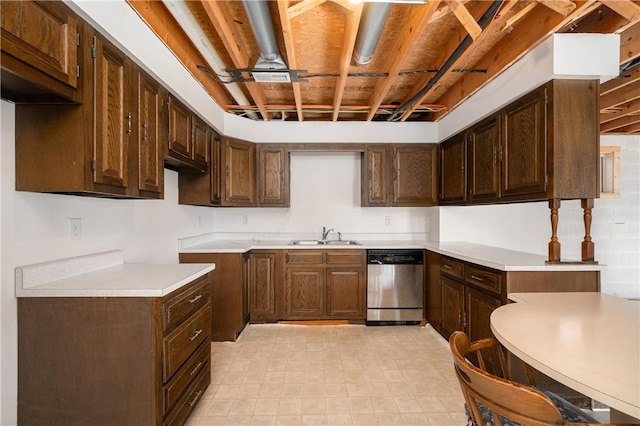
column 107, row 146
column 324, row 284
column 113, row 360
column 187, row 148
column 403, row 175
column 40, row 51
column 265, row 284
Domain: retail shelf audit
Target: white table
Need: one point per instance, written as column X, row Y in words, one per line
column 587, row 341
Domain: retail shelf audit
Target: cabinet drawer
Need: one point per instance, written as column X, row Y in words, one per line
column 343, row 257
column 201, row 360
column 305, row 257
column 452, row 267
column 181, row 306
column 483, row 278
column 178, row 346
column 189, row 400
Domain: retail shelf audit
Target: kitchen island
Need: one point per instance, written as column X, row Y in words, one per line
column 105, row 342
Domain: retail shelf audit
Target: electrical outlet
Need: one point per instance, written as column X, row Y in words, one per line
column 387, row 220
column 199, row 222
column 75, row 228
column 245, row 219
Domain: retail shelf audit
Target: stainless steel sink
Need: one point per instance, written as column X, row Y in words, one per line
column 342, row 243
column 320, row 242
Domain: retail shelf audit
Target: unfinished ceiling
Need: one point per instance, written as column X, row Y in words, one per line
column 308, row 60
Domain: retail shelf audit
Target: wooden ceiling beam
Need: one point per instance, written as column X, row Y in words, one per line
column 463, row 61
column 630, row 43
column 620, row 122
column 563, row 7
column 625, row 8
column 628, row 92
column 629, row 108
column 633, row 128
column 348, row 44
column 518, row 16
column 524, row 37
column 625, row 78
column 287, row 34
column 162, row 23
column 302, row 7
column 222, row 21
column 465, row 18
column 406, row 41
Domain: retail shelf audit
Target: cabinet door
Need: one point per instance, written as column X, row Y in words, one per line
column 524, row 166
column 200, row 135
column 180, row 138
column 479, row 307
column 414, row 175
column 453, row 178
column 262, row 288
column 304, row 293
column 452, row 306
column 113, row 115
column 43, row 35
column 239, row 173
column 375, row 176
column 433, row 293
column 244, row 301
column 150, row 165
column 484, row 160
column 273, row 175
column 345, row 293
column 215, row 170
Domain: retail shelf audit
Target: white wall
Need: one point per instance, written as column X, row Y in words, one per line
column 526, row 227
column 325, row 191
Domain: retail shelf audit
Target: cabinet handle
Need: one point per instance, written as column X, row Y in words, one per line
column 460, row 319
column 129, row 123
column 464, row 321
column 144, row 132
column 195, row 398
column 477, row 278
column 197, row 367
column 195, row 298
column 196, row 334
column 447, row 267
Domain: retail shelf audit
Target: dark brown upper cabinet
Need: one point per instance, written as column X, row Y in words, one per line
column 40, row 57
column 399, row 175
column 98, row 147
column 484, row 146
column 273, row 175
column 453, row 170
column 189, row 137
column 543, row 146
column 239, row 173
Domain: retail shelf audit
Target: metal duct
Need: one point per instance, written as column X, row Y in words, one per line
column 374, row 16
column 260, row 20
column 183, row 15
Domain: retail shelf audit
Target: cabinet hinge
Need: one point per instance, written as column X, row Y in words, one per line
column 77, row 70
column 546, row 182
column 546, row 98
column 93, row 165
column 77, row 39
column 93, row 48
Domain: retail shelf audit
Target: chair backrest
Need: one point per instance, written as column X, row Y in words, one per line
column 512, row 400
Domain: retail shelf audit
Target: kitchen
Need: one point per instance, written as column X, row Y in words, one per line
column 35, row 227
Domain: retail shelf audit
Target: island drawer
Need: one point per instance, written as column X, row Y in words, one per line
column 176, row 387
column 483, row 278
column 452, row 267
column 189, row 400
column 178, row 345
column 181, row 306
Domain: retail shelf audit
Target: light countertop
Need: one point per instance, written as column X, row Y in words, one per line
column 104, row 275
column 491, row 257
column 588, row 341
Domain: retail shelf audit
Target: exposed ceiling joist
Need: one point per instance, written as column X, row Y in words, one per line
column 621, row 95
column 563, row 7
column 465, row 18
column 349, row 40
column 630, row 43
column 223, row 23
column 625, row 8
column 289, row 42
column 418, row 20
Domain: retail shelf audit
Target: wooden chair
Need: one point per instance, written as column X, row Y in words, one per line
column 492, row 400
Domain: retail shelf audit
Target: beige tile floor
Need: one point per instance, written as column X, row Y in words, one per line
column 277, row 374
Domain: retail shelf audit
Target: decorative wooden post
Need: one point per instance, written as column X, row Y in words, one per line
column 554, row 244
column 588, row 246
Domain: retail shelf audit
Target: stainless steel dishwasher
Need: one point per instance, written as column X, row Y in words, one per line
column 395, row 282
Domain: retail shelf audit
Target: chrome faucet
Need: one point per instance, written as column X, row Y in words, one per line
column 325, row 233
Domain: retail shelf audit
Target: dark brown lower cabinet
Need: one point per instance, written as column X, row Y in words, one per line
column 229, row 293
column 264, row 282
column 324, row 284
column 113, row 360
